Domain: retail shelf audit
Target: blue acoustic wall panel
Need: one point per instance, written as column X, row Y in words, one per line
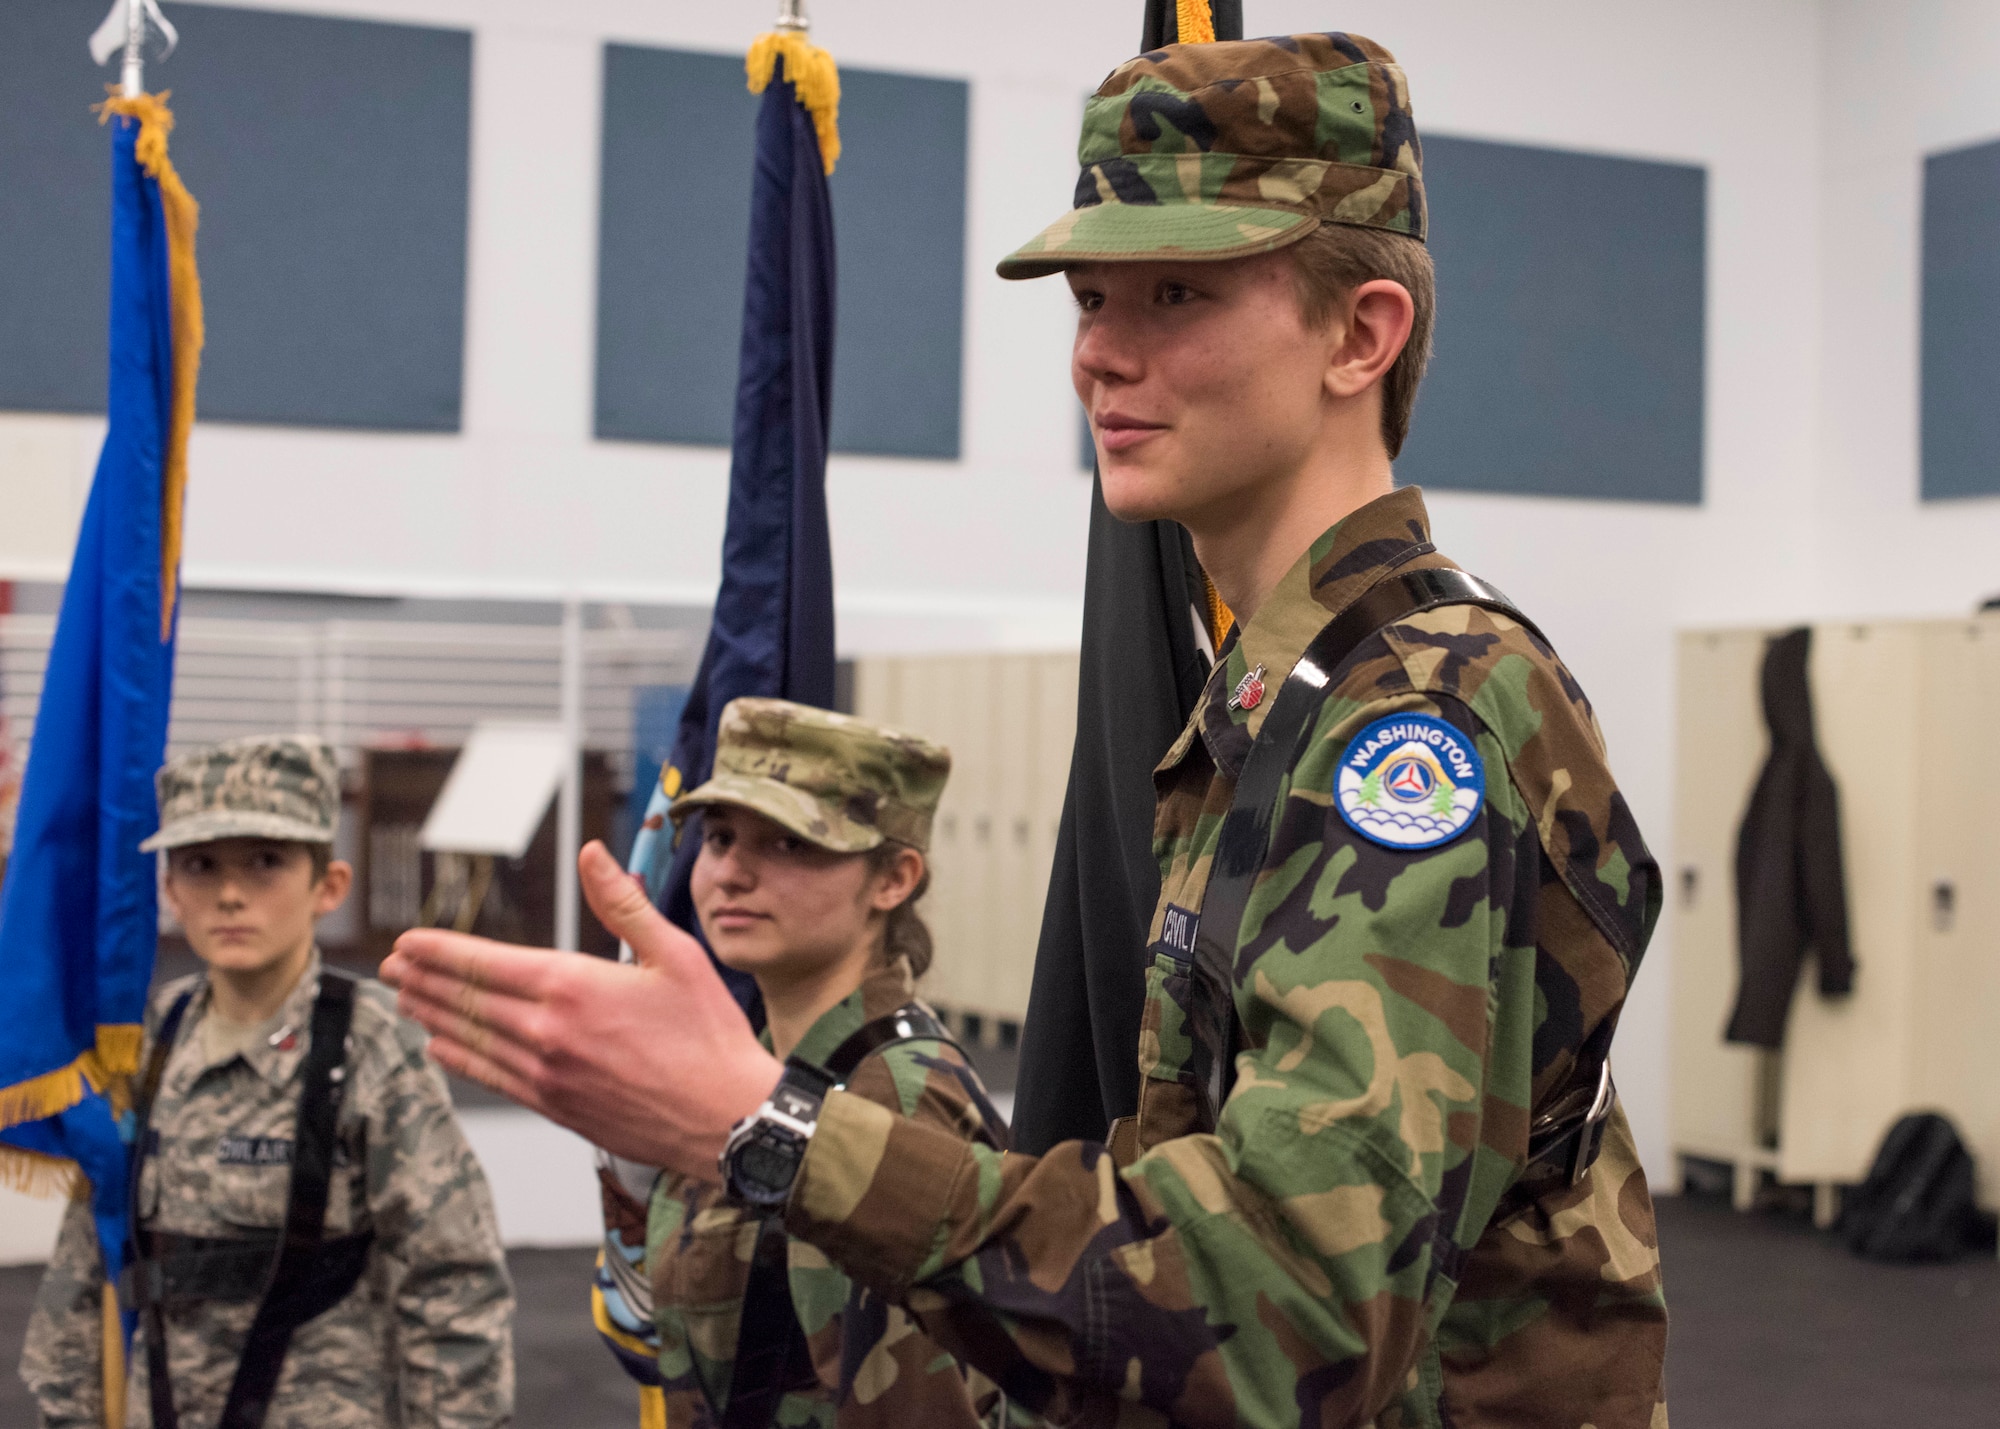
column 1961, row 323
column 1570, row 325
column 330, row 161
column 674, row 224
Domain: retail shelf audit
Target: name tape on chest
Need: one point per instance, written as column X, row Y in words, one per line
column 254, row 1151
column 1177, row 932
column 1409, row 781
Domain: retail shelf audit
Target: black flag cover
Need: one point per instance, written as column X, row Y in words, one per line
column 1142, row 667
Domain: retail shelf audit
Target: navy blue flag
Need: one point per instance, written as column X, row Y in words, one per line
column 772, row 634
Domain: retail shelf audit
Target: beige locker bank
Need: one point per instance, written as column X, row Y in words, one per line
column 1906, row 715
column 1010, row 723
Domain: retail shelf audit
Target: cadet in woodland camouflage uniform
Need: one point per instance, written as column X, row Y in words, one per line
column 1381, row 1176
column 425, row 1337
column 810, row 869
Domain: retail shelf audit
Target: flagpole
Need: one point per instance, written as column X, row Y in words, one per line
column 133, row 79
column 569, row 799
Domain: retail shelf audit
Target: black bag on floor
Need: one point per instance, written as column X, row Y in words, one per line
column 1917, row 1203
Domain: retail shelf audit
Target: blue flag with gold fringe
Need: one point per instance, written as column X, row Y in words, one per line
column 78, row 922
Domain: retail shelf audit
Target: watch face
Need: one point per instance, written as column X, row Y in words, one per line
column 763, row 1166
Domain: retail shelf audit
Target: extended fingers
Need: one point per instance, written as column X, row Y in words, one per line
column 463, row 1009
column 496, row 1073
column 503, row 967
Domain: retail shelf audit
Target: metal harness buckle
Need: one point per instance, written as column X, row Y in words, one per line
column 1590, row 1134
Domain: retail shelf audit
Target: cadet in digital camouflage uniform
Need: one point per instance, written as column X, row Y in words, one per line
column 425, row 1338
column 1396, row 1218
column 789, row 775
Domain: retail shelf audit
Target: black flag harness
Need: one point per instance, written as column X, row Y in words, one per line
column 295, row 1274
column 771, row 1352
column 1564, row 1137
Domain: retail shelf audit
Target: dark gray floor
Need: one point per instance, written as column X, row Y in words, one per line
column 1774, row 1328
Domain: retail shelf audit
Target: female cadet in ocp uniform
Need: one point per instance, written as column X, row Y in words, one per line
column 814, row 833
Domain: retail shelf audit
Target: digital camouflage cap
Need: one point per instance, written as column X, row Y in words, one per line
column 841, row 782
column 272, row 787
column 1240, row 147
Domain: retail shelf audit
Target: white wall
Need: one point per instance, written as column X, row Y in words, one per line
column 1810, row 116
column 1903, row 80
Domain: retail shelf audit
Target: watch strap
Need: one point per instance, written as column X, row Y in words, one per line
column 801, row 1089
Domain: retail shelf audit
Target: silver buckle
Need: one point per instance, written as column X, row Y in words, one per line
column 1583, row 1150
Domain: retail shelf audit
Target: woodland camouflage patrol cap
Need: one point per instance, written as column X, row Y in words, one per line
column 271, row 787
column 1240, row 147
column 841, row 782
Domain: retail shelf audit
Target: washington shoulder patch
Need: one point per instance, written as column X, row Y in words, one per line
column 1410, row 781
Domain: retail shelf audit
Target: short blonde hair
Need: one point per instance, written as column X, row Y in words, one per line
column 1334, row 260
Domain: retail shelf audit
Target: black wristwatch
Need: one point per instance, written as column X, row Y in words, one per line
column 761, row 1159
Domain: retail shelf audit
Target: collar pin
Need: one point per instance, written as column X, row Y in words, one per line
column 1249, row 691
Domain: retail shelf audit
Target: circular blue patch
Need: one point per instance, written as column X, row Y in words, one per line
column 1409, row 781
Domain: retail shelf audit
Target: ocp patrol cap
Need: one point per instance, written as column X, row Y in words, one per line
column 1224, row 150
column 840, row 782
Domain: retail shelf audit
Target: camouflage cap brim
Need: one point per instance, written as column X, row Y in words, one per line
column 235, row 824
column 1151, row 233
column 1225, row 150
column 812, row 819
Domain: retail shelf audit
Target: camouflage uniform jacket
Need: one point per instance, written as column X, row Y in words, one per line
column 426, row 1338
column 1342, row 1248
column 874, row 1365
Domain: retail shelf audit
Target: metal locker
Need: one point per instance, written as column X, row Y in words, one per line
column 1019, row 881
column 1720, row 747
column 1846, row 1058
column 1955, row 1049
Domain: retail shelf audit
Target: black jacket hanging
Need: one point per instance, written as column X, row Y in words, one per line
column 1791, row 897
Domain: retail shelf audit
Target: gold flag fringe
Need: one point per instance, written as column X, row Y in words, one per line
column 812, row 72
column 33, row 1174
column 1220, row 616
column 183, row 216
column 106, row 1067
column 1194, row 23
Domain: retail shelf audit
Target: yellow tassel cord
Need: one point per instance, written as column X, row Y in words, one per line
column 183, row 216
column 652, row 1407
column 107, row 1067
column 114, row 1361
column 1193, row 22
column 1220, row 616
column 811, row 71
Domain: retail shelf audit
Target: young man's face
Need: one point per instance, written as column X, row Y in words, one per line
column 249, row 903
column 1202, row 381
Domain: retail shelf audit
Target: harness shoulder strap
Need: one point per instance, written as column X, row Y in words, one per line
column 771, row 1352
column 1246, row 830
column 310, row 1275
column 912, row 1022
column 145, row 1296
column 1564, row 1138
